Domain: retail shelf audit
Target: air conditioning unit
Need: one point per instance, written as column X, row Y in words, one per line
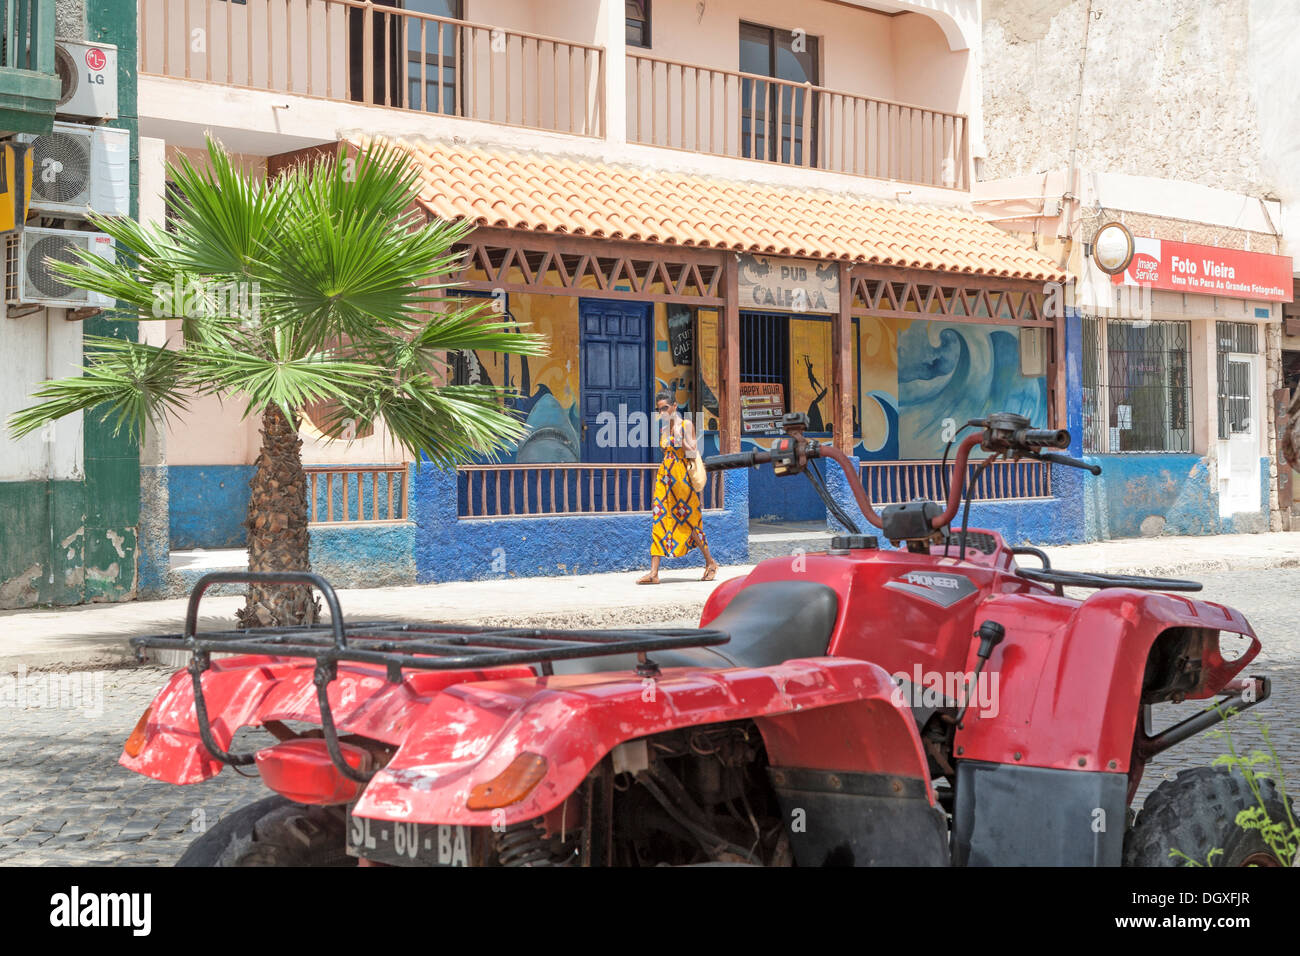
column 30, row 279
column 79, row 169
column 88, row 77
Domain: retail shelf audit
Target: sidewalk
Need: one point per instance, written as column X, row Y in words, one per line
column 95, row 635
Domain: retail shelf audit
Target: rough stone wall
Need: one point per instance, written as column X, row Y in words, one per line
column 1166, row 89
column 70, row 19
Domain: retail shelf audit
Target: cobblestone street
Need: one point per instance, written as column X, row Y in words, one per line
column 65, row 801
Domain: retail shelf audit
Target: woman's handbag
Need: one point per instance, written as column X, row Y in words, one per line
column 695, row 470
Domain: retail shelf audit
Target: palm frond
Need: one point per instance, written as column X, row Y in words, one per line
column 134, row 383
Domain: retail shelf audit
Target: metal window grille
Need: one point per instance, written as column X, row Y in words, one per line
column 764, row 348
column 1094, row 418
column 1234, row 377
column 1137, row 387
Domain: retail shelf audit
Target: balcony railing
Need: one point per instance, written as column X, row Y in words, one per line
column 897, row 482
column 364, row 52
column 503, row 491
column 356, row 494
column 728, row 113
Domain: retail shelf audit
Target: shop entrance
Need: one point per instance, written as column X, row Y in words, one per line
column 1239, row 482
column 615, row 380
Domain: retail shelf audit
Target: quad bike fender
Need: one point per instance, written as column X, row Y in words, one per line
column 1064, row 687
column 249, row 691
column 824, row 713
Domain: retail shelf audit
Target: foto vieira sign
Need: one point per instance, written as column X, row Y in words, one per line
column 1207, row 270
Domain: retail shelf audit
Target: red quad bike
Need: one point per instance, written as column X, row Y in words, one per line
column 931, row 705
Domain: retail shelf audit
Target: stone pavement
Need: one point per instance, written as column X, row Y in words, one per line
column 95, row 635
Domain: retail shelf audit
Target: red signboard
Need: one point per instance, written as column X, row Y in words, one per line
column 1207, row 270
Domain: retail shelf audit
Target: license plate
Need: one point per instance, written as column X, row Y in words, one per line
column 408, row 844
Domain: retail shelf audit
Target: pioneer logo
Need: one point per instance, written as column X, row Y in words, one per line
column 944, row 590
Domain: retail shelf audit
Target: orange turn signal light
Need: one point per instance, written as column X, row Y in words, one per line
column 511, row 785
column 135, row 743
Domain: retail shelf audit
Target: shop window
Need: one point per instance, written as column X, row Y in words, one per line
column 637, row 18
column 772, row 113
column 1137, row 389
column 1234, row 338
column 764, row 371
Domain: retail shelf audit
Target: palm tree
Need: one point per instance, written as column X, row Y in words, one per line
column 317, row 288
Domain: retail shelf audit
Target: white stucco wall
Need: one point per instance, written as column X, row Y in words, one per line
column 1193, row 90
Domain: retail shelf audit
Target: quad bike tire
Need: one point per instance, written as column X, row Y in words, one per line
column 1196, row 812
column 273, row 832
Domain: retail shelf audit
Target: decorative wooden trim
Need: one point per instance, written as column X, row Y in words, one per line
column 917, row 294
column 552, row 264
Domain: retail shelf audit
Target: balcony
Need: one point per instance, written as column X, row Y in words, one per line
column 29, row 86
column 728, row 113
column 370, row 53
column 375, row 54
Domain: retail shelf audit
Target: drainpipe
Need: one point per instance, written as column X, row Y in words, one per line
column 1070, row 197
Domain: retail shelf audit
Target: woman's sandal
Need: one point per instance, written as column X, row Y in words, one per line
column 710, row 573
column 648, row 579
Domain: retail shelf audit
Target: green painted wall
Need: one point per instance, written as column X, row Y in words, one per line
column 112, row 462
column 41, row 562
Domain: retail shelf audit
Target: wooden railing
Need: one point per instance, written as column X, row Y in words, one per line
column 365, row 52
column 353, row 494
column 728, row 113
column 896, row 482
column 28, row 35
column 500, row 491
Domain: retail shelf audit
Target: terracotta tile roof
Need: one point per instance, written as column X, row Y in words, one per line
column 519, row 190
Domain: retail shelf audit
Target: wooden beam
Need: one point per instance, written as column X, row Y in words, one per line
column 729, row 360
column 843, row 374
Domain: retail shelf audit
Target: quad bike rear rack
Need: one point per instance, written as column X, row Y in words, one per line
column 396, row 645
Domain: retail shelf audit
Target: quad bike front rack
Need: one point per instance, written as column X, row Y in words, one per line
column 396, row 645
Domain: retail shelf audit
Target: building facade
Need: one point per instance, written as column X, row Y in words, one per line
column 729, row 201
column 1176, row 366
column 69, row 495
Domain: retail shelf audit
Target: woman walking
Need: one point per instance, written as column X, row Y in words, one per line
column 678, row 516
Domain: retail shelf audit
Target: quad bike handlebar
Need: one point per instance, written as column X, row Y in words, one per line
column 1002, row 434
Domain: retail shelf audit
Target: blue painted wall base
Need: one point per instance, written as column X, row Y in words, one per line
column 208, row 505
column 448, row 548
column 1146, row 495
column 1056, row 520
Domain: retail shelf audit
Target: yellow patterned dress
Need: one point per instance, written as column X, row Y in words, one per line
column 677, row 515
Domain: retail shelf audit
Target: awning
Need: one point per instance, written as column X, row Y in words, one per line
column 511, row 189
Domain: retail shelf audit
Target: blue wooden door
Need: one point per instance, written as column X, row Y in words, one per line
column 615, row 376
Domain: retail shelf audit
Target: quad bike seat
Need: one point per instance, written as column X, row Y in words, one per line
column 769, row 623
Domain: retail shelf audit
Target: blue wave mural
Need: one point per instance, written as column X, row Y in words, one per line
column 959, row 372
column 881, row 447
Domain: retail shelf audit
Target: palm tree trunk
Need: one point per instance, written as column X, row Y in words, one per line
column 277, row 528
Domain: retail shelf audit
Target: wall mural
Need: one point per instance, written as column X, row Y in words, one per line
column 675, row 354
column 547, row 385
column 958, row 371
column 913, row 374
